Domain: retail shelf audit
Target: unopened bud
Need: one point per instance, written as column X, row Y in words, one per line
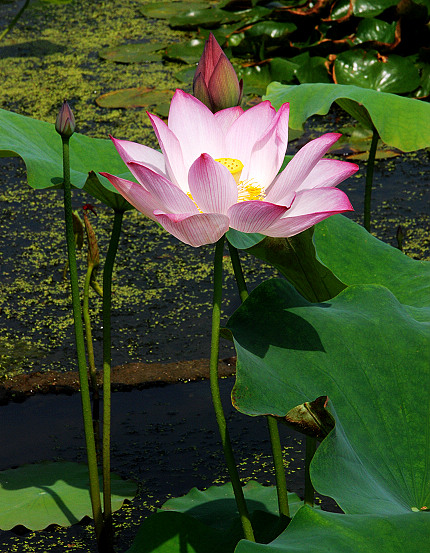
column 215, row 81
column 65, row 123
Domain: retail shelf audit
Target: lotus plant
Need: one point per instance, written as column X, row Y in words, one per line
column 220, row 171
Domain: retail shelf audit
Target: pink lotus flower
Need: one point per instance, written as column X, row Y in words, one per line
column 221, row 170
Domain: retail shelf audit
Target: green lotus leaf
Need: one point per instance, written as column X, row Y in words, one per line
column 314, row 531
column 393, row 74
column 208, row 521
column 191, row 18
column 165, row 10
column 374, row 29
column 38, row 495
column 357, row 257
column 255, row 78
column 409, row 130
column 40, row 147
column 133, row 53
column 187, row 52
column 310, row 69
column 140, row 96
column 340, row 9
column 271, row 29
column 370, row 355
column 217, row 507
column 423, row 90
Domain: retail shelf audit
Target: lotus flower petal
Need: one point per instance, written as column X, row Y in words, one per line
column 212, row 185
column 195, row 127
column 226, row 117
column 165, row 193
column 255, row 216
column 136, row 194
column 132, row 151
column 195, row 230
column 300, row 166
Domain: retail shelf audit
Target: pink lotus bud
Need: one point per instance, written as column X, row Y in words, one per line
column 215, row 81
column 65, row 123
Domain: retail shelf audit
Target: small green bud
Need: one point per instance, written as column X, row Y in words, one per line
column 65, row 123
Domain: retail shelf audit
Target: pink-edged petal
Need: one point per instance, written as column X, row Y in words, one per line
column 164, row 192
column 132, row 151
column 268, row 153
column 195, row 127
column 212, row 185
column 300, row 166
column 318, row 200
column 247, row 130
column 328, row 172
column 195, row 230
column 309, row 208
column 172, row 151
column 254, row 215
column 134, row 193
column 226, row 117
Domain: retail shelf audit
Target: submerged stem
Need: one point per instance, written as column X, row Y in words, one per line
column 369, row 180
column 14, row 20
column 107, row 342
column 216, row 397
column 80, row 349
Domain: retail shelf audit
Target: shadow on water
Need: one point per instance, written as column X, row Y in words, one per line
column 31, row 49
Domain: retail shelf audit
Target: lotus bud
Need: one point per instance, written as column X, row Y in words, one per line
column 65, row 123
column 215, row 81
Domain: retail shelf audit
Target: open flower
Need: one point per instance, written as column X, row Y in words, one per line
column 221, row 170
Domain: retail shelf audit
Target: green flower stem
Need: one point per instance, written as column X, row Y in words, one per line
column 14, row 20
column 281, row 482
column 311, row 446
column 369, row 179
column 80, row 348
column 216, row 397
column 107, row 342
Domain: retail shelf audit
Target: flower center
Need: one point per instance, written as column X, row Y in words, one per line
column 247, row 189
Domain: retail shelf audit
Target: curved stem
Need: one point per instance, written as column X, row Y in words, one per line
column 107, row 342
column 369, row 180
column 80, row 348
column 216, row 397
column 281, row 483
column 14, row 20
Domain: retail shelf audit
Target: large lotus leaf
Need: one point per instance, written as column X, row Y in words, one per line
column 133, row 53
column 38, row 495
column 208, row 521
column 409, row 130
column 140, row 96
column 375, row 30
column 393, row 74
column 357, row 257
column 217, row 507
column 424, row 88
column 314, row 531
column 165, row 10
column 202, row 17
column 39, row 145
column 370, row 355
column 188, row 52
